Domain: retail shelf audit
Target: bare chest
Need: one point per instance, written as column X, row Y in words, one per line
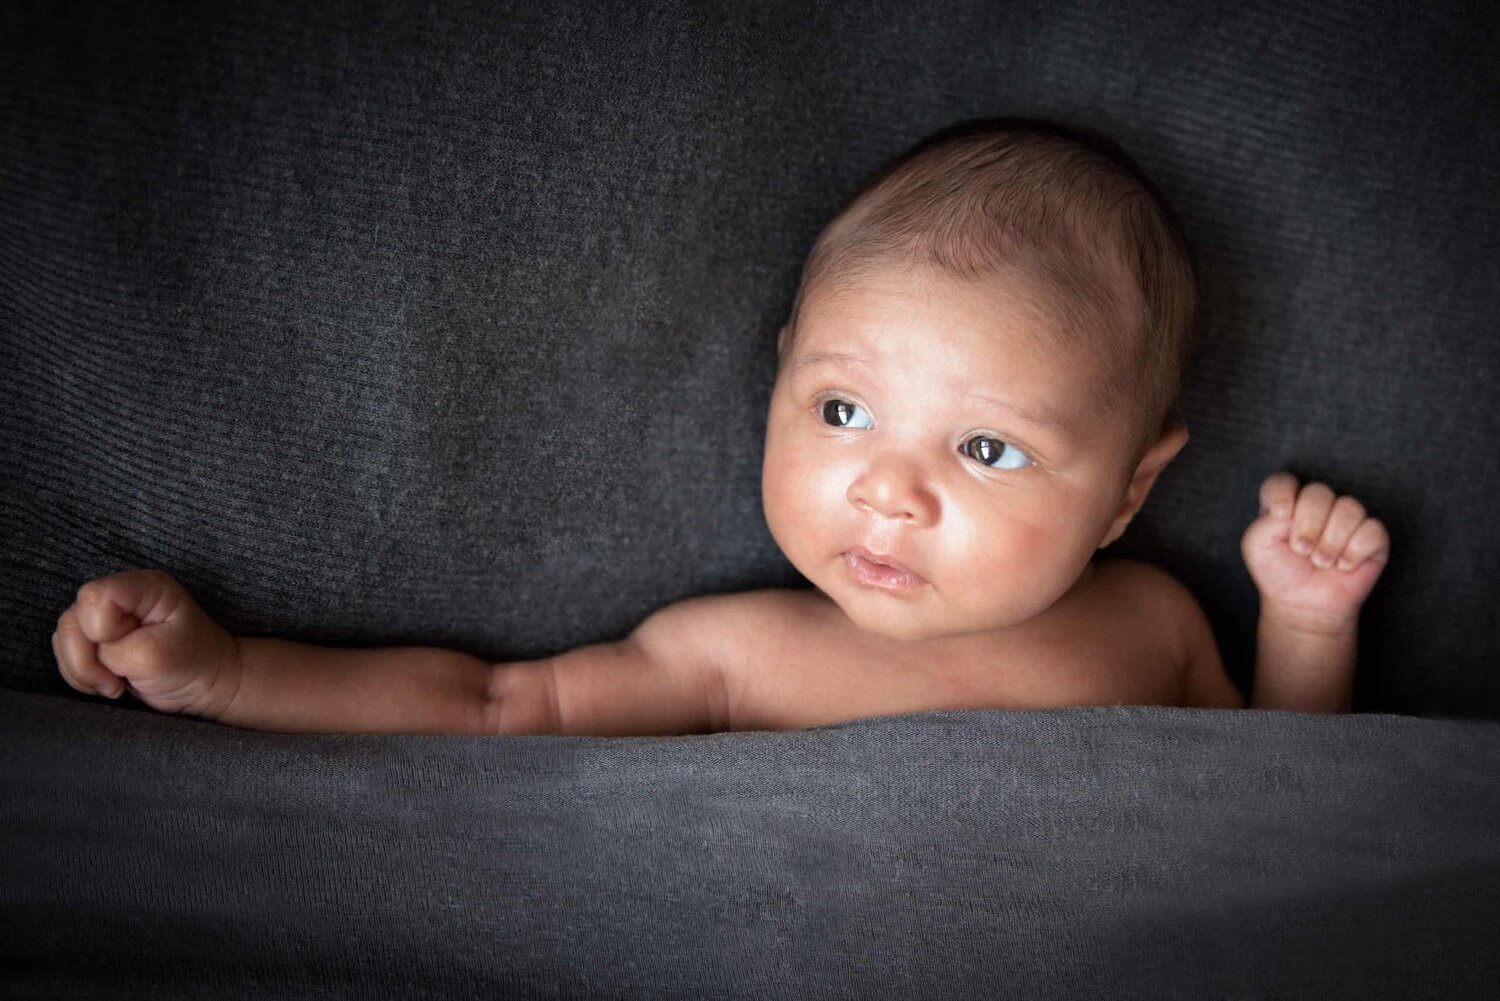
column 817, row 668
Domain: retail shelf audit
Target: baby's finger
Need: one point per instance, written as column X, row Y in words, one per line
column 110, row 608
column 1346, row 516
column 78, row 659
column 1278, row 493
column 1313, row 505
column 1370, row 541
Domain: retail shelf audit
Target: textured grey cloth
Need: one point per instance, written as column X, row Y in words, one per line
column 454, row 325
column 1111, row 852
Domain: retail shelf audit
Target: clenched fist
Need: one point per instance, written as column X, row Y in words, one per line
column 1313, row 555
column 143, row 632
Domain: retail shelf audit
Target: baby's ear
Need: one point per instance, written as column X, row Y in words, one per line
column 1144, row 478
column 781, row 341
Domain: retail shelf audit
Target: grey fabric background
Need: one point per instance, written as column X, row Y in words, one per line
column 453, row 324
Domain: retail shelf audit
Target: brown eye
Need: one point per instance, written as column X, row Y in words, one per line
column 995, row 453
column 840, row 413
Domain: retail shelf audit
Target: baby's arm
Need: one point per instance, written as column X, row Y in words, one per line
column 1314, row 557
column 142, row 630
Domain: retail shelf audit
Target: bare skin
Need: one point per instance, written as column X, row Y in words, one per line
column 1115, row 639
column 894, row 438
column 1315, row 557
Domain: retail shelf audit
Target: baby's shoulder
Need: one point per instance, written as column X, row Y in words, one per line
column 721, row 627
column 1142, row 584
column 1151, row 596
column 744, row 609
column 1145, row 579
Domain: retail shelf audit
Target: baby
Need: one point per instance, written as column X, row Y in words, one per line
column 976, row 391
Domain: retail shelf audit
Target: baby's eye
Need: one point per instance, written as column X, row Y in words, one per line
column 840, row 413
column 995, row 453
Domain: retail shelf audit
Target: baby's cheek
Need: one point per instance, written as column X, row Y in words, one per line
column 996, row 540
column 787, row 493
column 1021, row 564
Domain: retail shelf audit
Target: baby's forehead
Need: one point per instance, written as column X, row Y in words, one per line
column 1066, row 346
column 974, row 337
column 1052, row 322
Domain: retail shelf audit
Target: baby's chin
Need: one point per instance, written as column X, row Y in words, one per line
column 910, row 627
column 928, row 621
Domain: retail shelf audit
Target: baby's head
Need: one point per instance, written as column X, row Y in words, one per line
column 979, row 377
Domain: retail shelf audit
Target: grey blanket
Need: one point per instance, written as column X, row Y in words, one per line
column 1111, row 852
column 454, row 325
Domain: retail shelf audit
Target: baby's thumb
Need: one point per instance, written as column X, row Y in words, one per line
column 147, row 654
column 1264, row 533
column 111, row 608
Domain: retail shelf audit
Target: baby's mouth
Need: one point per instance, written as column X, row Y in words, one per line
column 880, row 572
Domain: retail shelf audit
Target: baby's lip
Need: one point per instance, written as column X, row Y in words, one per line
column 885, row 559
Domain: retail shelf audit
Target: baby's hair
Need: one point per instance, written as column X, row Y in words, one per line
column 1059, row 214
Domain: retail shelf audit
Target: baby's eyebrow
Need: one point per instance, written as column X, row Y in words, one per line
column 1041, row 417
column 818, row 357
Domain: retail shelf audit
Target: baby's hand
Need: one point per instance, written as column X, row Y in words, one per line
column 1313, row 557
column 141, row 630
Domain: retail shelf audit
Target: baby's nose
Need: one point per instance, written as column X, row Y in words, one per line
column 894, row 489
